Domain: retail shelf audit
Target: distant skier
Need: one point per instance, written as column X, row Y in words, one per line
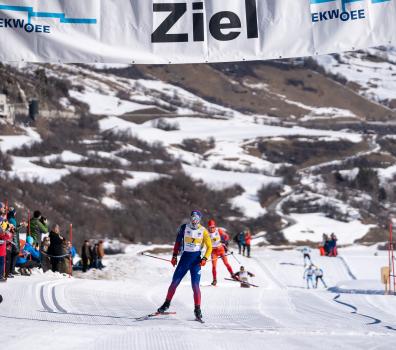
column 306, row 255
column 190, row 238
column 243, row 276
column 309, row 275
column 217, row 235
column 318, row 272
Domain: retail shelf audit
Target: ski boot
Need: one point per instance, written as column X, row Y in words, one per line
column 214, row 283
column 234, row 277
column 164, row 307
column 198, row 313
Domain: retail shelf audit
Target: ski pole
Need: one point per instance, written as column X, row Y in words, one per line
column 243, row 282
column 232, row 253
column 154, row 257
column 163, row 259
column 219, row 257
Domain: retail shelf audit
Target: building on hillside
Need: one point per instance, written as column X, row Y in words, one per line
column 6, row 110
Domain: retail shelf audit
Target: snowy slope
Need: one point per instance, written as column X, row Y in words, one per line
column 133, row 104
column 372, row 70
column 99, row 314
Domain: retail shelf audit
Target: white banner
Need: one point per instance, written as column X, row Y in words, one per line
column 189, row 31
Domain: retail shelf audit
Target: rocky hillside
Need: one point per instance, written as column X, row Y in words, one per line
column 290, row 148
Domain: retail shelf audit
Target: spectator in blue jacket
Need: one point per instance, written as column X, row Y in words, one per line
column 71, row 250
column 30, row 257
column 333, row 245
column 240, row 239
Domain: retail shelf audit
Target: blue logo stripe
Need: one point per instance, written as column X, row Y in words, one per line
column 61, row 16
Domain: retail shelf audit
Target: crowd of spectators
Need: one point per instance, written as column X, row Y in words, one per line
column 328, row 246
column 31, row 244
column 244, row 239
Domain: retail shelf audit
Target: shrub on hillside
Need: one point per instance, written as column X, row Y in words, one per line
column 268, row 192
column 5, row 161
column 198, row 145
column 367, row 180
column 154, row 210
column 165, row 125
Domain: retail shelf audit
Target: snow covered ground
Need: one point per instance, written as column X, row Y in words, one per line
column 374, row 76
column 98, row 312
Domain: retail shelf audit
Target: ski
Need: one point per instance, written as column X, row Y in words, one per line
column 243, row 282
column 154, row 314
column 200, row 320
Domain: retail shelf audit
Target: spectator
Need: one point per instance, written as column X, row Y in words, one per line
column 240, row 240
column 71, row 253
column 248, row 240
column 45, row 259
column 101, row 254
column 333, row 245
column 56, row 250
column 94, row 256
column 85, row 254
column 322, row 245
column 4, row 237
column 71, row 250
column 64, row 266
column 327, row 246
column 11, row 216
column 3, row 213
column 29, row 257
column 12, row 252
column 15, row 229
column 38, row 226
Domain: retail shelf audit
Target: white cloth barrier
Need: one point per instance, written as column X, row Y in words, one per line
column 189, row 31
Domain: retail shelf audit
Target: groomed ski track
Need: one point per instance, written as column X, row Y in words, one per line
column 100, row 314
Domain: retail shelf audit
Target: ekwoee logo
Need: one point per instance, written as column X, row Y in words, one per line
column 341, row 10
column 29, row 20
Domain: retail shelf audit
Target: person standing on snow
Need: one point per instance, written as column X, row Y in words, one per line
column 243, row 276
column 318, row 272
column 309, row 274
column 333, row 245
column 190, row 238
column 248, row 241
column 4, row 237
column 240, row 240
column 306, row 255
column 217, row 236
column 56, row 249
column 37, row 227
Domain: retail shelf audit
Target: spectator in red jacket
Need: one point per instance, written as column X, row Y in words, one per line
column 248, row 240
column 4, row 237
